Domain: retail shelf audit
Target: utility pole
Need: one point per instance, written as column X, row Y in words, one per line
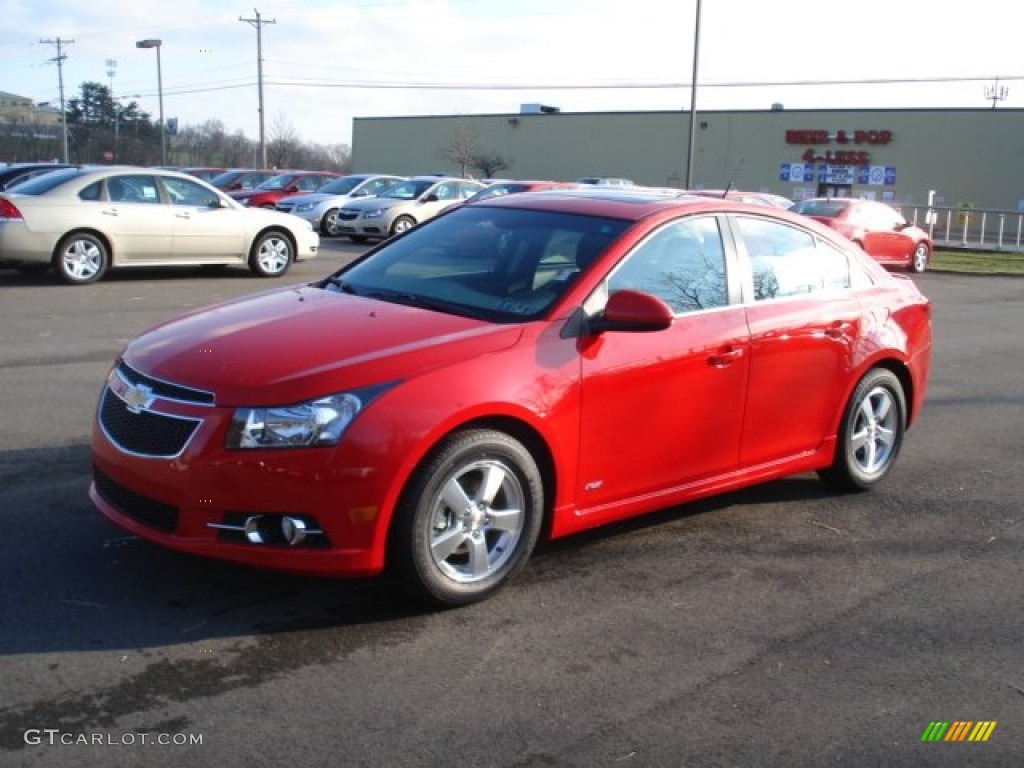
column 111, row 71
column 693, row 101
column 258, row 23
column 59, row 58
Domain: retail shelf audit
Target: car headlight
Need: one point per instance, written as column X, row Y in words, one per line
column 315, row 423
column 373, row 213
column 305, row 206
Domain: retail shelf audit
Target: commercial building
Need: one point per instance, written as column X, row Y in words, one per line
column 969, row 158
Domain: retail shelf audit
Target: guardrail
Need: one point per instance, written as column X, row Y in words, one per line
column 971, row 229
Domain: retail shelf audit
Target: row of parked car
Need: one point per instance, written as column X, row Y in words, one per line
column 159, row 216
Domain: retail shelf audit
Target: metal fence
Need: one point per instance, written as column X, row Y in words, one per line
column 971, row 229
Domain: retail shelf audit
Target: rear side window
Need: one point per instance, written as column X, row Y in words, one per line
column 786, row 262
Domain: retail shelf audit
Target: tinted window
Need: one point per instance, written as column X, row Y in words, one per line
column 42, row 184
column 683, row 264
column 504, row 265
column 786, row 261
column 91, row 192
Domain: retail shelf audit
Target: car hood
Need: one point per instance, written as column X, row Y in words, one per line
column 312, row 197
column 295, row 344
column 373, row 203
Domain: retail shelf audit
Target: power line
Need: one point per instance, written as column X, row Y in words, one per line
column 258, row 23
column 59, row 58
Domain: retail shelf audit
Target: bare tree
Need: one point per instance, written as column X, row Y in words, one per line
column 461, row 149
column 284, row 142
column 489, row 164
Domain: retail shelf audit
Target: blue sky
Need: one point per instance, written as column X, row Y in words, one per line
column 327, row 61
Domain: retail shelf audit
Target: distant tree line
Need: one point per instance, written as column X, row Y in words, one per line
column 102, row 129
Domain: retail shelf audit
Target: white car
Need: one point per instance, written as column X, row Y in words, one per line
column 83, row 221
column 403, row 206
column 320, row 208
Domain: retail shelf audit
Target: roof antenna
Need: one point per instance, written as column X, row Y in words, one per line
column 732, row 181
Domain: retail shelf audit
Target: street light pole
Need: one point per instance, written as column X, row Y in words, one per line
column 155, row 43
column 693, row 101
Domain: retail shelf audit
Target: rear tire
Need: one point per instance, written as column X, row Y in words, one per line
column 871, row 433
column 81, row 258
column 919, row 261
column 468, row 519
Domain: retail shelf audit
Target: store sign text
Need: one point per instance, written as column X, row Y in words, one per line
column 842, row 137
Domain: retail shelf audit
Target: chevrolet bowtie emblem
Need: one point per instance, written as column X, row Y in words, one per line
column 136, row 397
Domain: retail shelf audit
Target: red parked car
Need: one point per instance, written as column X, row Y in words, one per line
column 876, row 227
column 267, row 194
column 532, row 365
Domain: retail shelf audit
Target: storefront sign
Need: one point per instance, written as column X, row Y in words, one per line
column 847, row 139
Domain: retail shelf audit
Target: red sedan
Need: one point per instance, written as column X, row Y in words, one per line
column 876, row 227
column 273, row 190
column 532, row 365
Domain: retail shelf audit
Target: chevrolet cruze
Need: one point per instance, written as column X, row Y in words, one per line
column 528, row 366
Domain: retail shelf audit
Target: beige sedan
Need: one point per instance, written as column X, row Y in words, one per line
column 83, row 221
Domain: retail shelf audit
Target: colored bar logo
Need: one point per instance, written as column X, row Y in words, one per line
column 958, row 730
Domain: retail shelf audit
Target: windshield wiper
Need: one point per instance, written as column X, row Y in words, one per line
column 426, row 302
column 340, row 284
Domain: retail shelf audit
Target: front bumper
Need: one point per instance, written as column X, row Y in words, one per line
column 164, row 474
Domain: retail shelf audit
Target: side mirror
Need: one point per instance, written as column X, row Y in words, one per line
column 634, row 311
column 431, row 198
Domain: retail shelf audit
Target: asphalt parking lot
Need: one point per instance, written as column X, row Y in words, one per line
column 779, row 626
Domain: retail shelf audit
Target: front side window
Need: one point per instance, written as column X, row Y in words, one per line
column 683, row 264
column 185, row 192
column 786, row 261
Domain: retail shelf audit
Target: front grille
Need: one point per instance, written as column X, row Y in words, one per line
column 165, row 389
column 141, row 509
column 344, row 215
column 144, row 433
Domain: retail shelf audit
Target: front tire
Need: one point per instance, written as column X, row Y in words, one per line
column 81, row 258
column 871, row 433
column 468, row 519
column 402, row 224
column 271, row 254
column 329, row 223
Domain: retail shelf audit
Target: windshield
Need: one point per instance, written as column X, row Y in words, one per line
column 278, row 182
column 497, row 264
column 409, row 190
column 341, row 186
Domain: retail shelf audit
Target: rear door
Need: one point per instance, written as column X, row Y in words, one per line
column 803, row 319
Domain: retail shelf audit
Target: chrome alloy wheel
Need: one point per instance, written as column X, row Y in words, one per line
column 477, row 520
column 82, row 259
column 274, row 255
column 875, row 431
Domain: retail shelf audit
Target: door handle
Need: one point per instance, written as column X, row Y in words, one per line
column 110, row 212
column 725, row 357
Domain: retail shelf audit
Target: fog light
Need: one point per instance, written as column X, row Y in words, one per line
column 252, row 529
column 293, row 529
